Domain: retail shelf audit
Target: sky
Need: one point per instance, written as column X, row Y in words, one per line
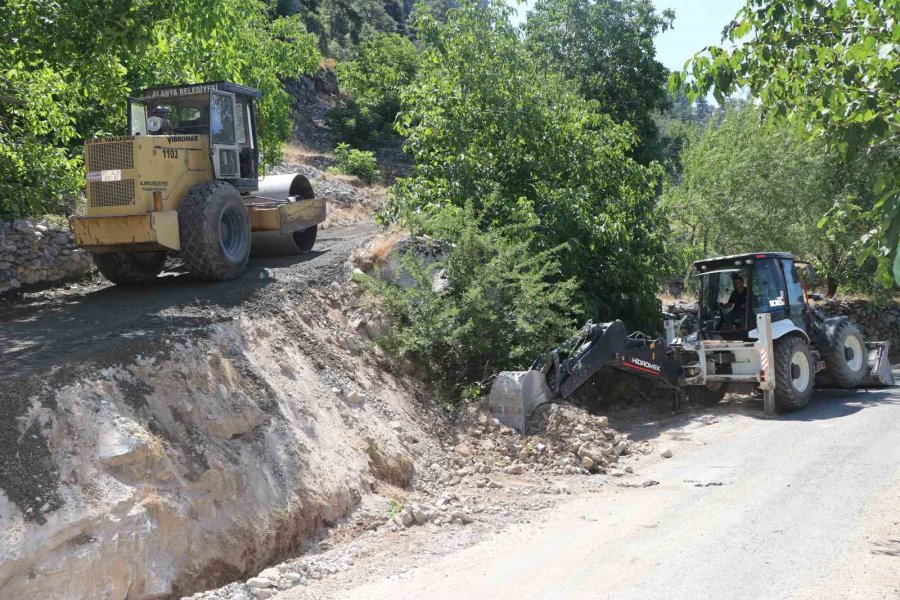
column 698, row 23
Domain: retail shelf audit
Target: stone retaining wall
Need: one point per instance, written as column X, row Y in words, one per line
column 38, row 251
column 877, row 323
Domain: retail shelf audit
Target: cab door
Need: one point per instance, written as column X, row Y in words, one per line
column 223, row 135
column 137, row 116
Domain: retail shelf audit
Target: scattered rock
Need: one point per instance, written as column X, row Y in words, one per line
column 666, row 453
column 355, row 397
column 260, row 582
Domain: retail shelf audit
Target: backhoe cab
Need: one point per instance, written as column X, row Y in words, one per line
column 729, row 351
column 187, row 180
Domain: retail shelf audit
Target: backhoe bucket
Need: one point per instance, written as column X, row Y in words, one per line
column 879, row 365
column 515, row 394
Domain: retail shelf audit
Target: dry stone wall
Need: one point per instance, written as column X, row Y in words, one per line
column 877, row 323
column 34, row 252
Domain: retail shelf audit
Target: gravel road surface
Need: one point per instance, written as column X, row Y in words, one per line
column 803, row 506
column 61, row 328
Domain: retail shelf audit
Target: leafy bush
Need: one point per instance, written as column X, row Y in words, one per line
column 501, row 308
column 486, row 127
column 371, row 83
column 360, row 163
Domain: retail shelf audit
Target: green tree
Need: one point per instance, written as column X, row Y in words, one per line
column 831, row 66
column 606, row 48
column 66, row 68
column 371, row 84
column 751, row 187
column 486, row 127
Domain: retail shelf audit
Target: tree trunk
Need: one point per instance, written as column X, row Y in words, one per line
column 831, row 286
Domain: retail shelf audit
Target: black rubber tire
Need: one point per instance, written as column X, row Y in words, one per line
column 130, row 268
column 845, row 341
column 790, row 392
column 706, row 395
column 306, row 239
column 215, row 231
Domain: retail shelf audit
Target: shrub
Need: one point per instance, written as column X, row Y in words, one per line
column 355, row 162
column 499, row 310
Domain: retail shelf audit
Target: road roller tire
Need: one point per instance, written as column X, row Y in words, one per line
column 794, row 373
column 130, row 268
column 305, row 239
column 215, row 231
column 846, row 364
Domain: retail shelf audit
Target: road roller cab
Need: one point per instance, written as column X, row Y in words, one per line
column 187, row 180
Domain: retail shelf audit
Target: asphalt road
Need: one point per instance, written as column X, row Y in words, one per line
column 804, row 506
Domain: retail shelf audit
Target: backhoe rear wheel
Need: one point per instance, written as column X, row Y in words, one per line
column 215, row 231
column 846, row 363
column 707, row 395
column 794, row 373
column 130, row 268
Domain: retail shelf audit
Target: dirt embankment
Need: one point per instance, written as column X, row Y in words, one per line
column 160, row 441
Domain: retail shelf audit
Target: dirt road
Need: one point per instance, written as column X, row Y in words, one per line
column 805, row 506
column 53, row 329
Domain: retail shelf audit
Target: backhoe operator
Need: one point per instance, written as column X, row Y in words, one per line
column 738, row 300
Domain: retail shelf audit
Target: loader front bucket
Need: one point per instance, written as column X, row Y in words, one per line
column 515, row 394
column 879, row 364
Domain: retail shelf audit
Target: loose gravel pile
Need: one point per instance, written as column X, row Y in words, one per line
column 562, row 439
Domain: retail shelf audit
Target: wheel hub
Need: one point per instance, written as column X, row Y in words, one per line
column 800, row 371
column 231, row 233
column 853, row 353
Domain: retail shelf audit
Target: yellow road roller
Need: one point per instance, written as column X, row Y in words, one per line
column 187, row 180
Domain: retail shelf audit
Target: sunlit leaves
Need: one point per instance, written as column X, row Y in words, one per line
column 66, row 68
column 832, row 66
column 489, row 129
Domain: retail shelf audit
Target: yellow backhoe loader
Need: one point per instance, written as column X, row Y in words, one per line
column 187, row 180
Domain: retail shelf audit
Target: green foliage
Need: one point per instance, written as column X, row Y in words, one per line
column 606, row 48
column 65, row 77
column 342, row 25
column 486, row 127
column 360, row 163
column 501, row 306
column 750, row 186
column 37, row 175
column 829, row 66
column 371, row 84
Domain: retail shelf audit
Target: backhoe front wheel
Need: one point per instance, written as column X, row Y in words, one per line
column 794, row 373
column 846, row 362
column 130, row 268
column 215, row 231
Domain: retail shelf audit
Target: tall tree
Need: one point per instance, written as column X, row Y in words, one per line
column 606, row 48
column 533, row 159
column 831, row 66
